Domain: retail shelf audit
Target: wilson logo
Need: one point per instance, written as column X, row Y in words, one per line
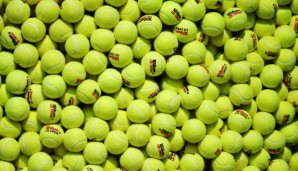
column 222, row 71
column 13, row 38
column 177, row 14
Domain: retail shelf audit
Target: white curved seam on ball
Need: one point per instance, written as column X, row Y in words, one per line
column 98, row 152
column 52, row 87
column 3, row 148
column 172, row 101
column 76, row 7
column 76, row 165
column 21, row 10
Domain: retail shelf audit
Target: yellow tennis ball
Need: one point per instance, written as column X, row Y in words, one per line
column 120, row 121
column 251, row 39
column 271, row 76
column 93, row 167
column 149, row 26
column 116, row 142
column 49, row 112
column 92, row 5
column 185, row 31
column 293, row 23
column 133, row 75
column 267, row 9
column 248, row 6
column 96, row 129
column 166, row 43
column 167, row 101
column 191, row 97
column 53, row 86
column 88, row 91
column 11, row 149
column 77, row 46
column 71, row 117
column 75, row 140
column 163, row 124
column 188, row 130
column 36, row 73
column 283, row 15
column 256, row 62
column 60, row 30
column 176, row 67
column 235, row 19
column 210, row 147
column 102, row 40
column 225, row 106
column 51, row 136
column 11, row 37
column 7, row 63
column 7, row 165
column 192, row 161
column 73, row 161
column 282, row 90
column 30, row 143
column 269, row 47
column 123, row 97
column 240, row 94
column 260, row 159
column 130, row 11
column 232, row 141
column 170, row 13
column 73, row 73
column 194, row 52
column 240, row 72
column 176, row 142
column 40, row 161
column 138, row 135
column 86, row 26
column 138, row 111
column 285, row 35
column 158, row 147
column 152, row 164
column 25, row 55
column 32, row 123
column 140, row 47
column 211, row 91
column 47, row 11
column 147, row 91
column 10, row 128
column 290, row 134
column 212, row 28
column 72, row 11
column 193, row 10
column 153, row 63
column 207, row 112
column 110, row 80
column 33, row 30
column 235, row 43
column 195, row 70
column 263, row 24
column 50, row 65
column 132, row 159
column 95, row 153
column 220, row 71
column 290, row 78
column 17, row 82
column 19, row 114
column 224, row 160
column 221, row 39
column 45, row 44
column 263, row 122
column 275, row 142
column 106, row 17
column 266, row 104
column 95, row 62
column 120, row 55
column 252, row 142
column 150, row 7
column 239, row 121
column 125, row 32
column 278, row 164
column 172, row 84
column 286, row 60
column 105, row 108
column 256, row 85
column 17, row 11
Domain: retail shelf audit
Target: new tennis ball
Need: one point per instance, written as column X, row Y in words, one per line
column 269, row 47
column 25, row 55
column 147, row 91
column 290, row 133
column 7, row 63
column 194, row 71
column 193, row 10
column 163, row 124
column 150, row 7
column 267, row 9
column 17, row 11
column 73, row 73
column 285, row 154
column 286, row 60
column 120, row 121
column 235, row 19
column 221, row 39
column 251, row 39
column 266, row 104
column 252, row 142
column 256, row 85
column 133, row 75
column 153, row 63
column 194, row 52
column 96, row 129
column 11, row 37
column 192, row 162
column 167, row 101
column 176, row 141
column 105, row 108
column 211, row 91
column 10, row 149
column 123, row 97
column 119, row 3
column 176, row 67
column 51, row 136
column 95, row 62
column 241, row 159
column 239, row 121
column 207, row 112
column 116, row 142
column 240, row 72
column 191, row 97
column 172, row 161
column 282, row 90
column 71, row 117
column 88, row 91
column 152, row 164
column 75, row 140
column 138, row 135
column 102, row 40
column 10, row 128
column 40, row 161
column 69, row 97
column 188, row 132
column 30, row 143
column 170, row 13
column 132, row 159
column 220, row 71
column 285, row 35
column 130, row 11
column 45, row 44
column 95, row 153
column 158, row 147
column 49, row 112
column 72, row 11
column 256, row 62
column 7, row 165
column 232, row 141
column 283, row 15
column 138, row 111
column 53, row 86
column 32, row 123
column 172, row 84
column 110, row 80
column 21, row 161
column 92, row 5
column 120, row 55
column 293, row 161
column 291, row 78
column 77, row 46
column 20, row 113
column 33, row 30
column 278, row 164
column 224, row 161
column 274, row 142
column 293, row 23
column 248, row 6
column 52, row 65
column 86, row 26
column 140, row 47
column 73, row 161
column 181, row 116
column 263, row 24
column 212, row 28
column 185, row 31
column 263, row 122
column 260, row 159
column 47, row 11
column 225, row 106
column 106, row 17
column 125, row 32
column 251, row 108
column 240, row 94
column 17, row 82
column 285, row 113
column 166, row 43
column 230, row 49
column 93, row 167
column 210, row 147
column 149, row 26
column 60, row 30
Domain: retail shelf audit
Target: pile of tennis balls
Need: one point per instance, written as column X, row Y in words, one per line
column 92, row 85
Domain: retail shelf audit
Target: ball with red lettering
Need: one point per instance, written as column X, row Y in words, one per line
column 220, row 71
column 239, row 120
column 51, row 135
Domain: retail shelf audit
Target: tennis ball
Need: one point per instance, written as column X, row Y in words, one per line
column 278, row 164
column 116, row 142
column 149, row 26
column 293, row 23
column 251, row 108
column 140, row 47
column 158, row 147
column 282, row 91
column 263, row 122
column 17, row 11
column 30, row 143
column 119, row 3
column 240, row 94
column 123, row 97
column 285, row 113
column 77, row 46
column 192, row 162
column 235, row 43
column 152, row 164
column 176, row 142
column 232, row 141
column 221, row 39
column 10, row 128
column 216, row 128
column 81, row 26
column 7, row 165
column 185, row 31
column 93, row 167
column 207, row 112
column 267, row 9
column 73, row 73
column 225, row 106
column 285, row 35
column 102, row 40
column 256, row 85
column 188, row 130
column 266, row 104
column 75, row 140
column 269, row 47
column 138, row 111
column 147, row 91
column 150, row 7
column 25, row 55
column 176, row 67
column 241, row 160
column 256, row 62
column 72, row 11
column 73, row 161
column 224, row 161
column 32, row 123
column 194, row 52
column 21, row 161
column 52, row 65
column 53, row 86
column 95, row 153
column 57, row 161
column 132, row 159
column 286, row 60
column 92, row 5
column 167, row 101
column 193, row 10
column 10, row 149
column 95, row 62
column 239, row 121
column 283, row 15
column 96, row 129
column 33, row 30
column 88, row 91
column 259, row 159
column 7, row 63
column 211, row 91
column 45, row 44
column 106, row 17
column 166, row 43
column 172, row 161
column 17, row 82
column 251, row 39
column 69, row 97
column 120, row 55
column 235, row 19
column 210, row 147
column 40, row 161
column 170, row 13
column 47, row 11
column 153, row 63
column 120, row 121
column 191, row 97
column 293, row 161
column 220, row 71
column 181, row 116
column 125, row 32
column 133, row 75
column 212, row 28
column 51, row 136
column 130, row 11
column 163, row 124
column 194, row 71
column 49, row 112
column 172, row 84
column 274, row 142
column 252, row 142
column 72, row 117
column 19, row 114
column 60, row 30
column 110, row 80
column 138, row 135
column 291, row 77
column 263, row 24
column 285, row 154
column 11, row 36
column 105, row 108
column 240, row 72
column 5, row 95
column 248, row 6
column 290, row 133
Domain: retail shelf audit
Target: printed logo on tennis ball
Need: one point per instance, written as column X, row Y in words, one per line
column 222, row 71
column 13, row 38
column 221, row 129
column 71, row 101
column 161, row 149
column 242, row 113
column 274, row 151
column 27, row 84
column 165, row 132
column 296, row 25
column 52, row 130
column 53, row 110
column 145, row 18
column 234, row 13
column 186, row 89
column 288, row 80
column 177, row 14
column 255, row 40
column 217, row 152
column 153, row 94
column 125, row 82
column 95, row 93
column 181, row 31
column 201, row 37
column 114, row 56
column 285, row 119
column 79, row 81
column 152, row 63
column 29, row 96
column 272, row 54
column 172, row 156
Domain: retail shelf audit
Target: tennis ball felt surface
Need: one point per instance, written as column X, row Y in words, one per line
column 51, row 136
